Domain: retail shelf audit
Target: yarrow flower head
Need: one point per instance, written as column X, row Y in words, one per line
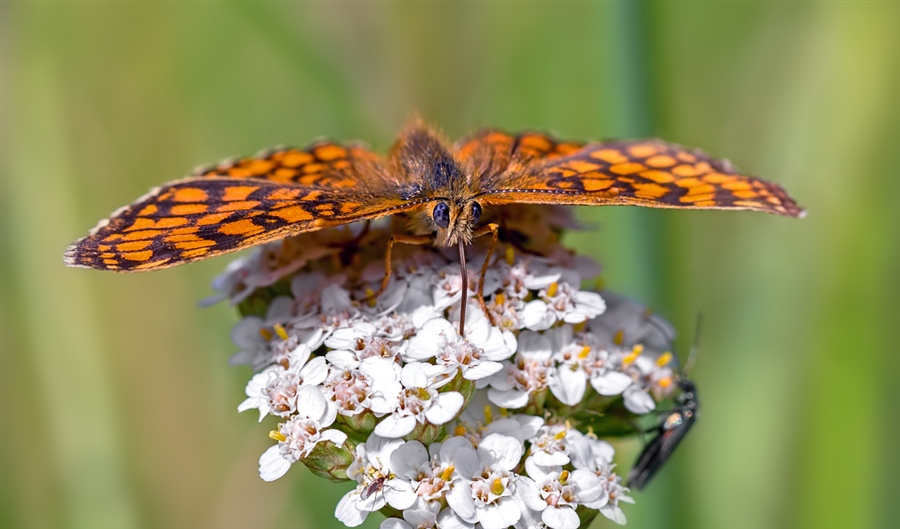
column 496, row 426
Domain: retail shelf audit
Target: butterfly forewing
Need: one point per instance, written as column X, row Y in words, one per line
column 323, row 164
column 203, row 217
column 643, row 173
column 492, row 152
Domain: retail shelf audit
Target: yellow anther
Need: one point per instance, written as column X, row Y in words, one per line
column 370, row 295
column 578, row 327
column 585, row 351
column 497, row 487
column 278, row 436
column 664, row 382
column 488, row 415
column 560, row 435
column 619, row 337
column 279, row 330
column 266, row 334
column 459, row 431
column 504, row 412
column 664, row 359
column 632, row 356
column 423, row 394
column 448, row 473
column 563, row 477
column 552, row 289
column 510, row 255
column 500, row 298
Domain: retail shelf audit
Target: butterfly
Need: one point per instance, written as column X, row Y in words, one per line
column 284, row 192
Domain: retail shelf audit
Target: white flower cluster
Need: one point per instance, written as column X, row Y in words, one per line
column 385, row 391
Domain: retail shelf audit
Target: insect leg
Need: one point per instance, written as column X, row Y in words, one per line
column 494, row 230
column 395, row 238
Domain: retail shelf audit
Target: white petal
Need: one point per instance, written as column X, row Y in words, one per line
column 530, row 494
column 428, row 341
column 549, row 459
column 315, row 372
column 311, row 403
column 500, row 514
column 335, row 436
column 300, row 355
column 342, row 359
column 560, row 517
column 422, row 315
column 245, row 333
column 536, row 316
column 484, row 369
column 534, row 345
column 448, row 519
column 393, row 426
column 394, row 523
column 590, row 303
column 459, row 498
column 466, row 462
column 511, row 399
column 611, row 383
column 588, row 485
column 399, row 494
column 614, row 513
column 346, row 511
column 638, row 401
column 405, row 460
column 272, row 465
column 503, row 450
column 445, row 407
column 422, row 513
column 569, row 385
column 415, row 375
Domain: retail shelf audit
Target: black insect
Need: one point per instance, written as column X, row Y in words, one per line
column 672, row 428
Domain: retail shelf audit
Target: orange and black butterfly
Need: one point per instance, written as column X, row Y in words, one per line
column 284, row 192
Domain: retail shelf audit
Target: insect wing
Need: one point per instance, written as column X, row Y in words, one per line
column 203, row 217
column 647, row 173
column 669, row 434
column 323, row 164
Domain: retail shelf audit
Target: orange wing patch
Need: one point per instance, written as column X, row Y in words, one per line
column 492, row 151
column 203, row 217
column 648, row 173
column 323, row 164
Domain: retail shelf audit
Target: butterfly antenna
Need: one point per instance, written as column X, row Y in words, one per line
column 465, row 289
column 689, row 363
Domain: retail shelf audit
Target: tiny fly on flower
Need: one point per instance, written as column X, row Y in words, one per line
column 669, row 434
column 373, row 487
column 673, row 425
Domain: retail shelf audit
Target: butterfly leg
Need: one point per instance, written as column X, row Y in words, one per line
column 494, row 230
column 395, row 238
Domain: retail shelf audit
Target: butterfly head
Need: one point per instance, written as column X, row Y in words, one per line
column 455, row 221
column 451, row 211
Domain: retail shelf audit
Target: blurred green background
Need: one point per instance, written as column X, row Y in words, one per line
column 118, row 404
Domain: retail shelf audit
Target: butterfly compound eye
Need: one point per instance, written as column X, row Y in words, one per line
column 441, row 215
column 476, row 212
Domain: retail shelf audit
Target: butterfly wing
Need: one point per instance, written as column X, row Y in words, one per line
column 202, row 217
column 647, row 173
column 492, row 152
column 322, row 164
